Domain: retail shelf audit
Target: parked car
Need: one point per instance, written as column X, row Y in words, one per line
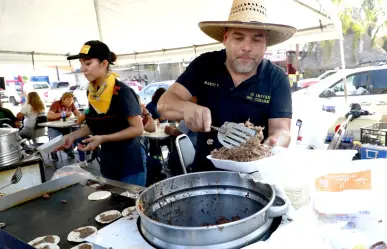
column 366, row 86
column 148, row 91
column 80, row 96
column 136, row 86
column 304, row 83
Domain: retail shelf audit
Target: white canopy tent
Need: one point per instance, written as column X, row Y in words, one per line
column 139, row 31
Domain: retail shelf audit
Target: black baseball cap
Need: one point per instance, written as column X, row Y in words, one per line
column 94, row 49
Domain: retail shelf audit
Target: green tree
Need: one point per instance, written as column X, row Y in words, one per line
column 369, row 19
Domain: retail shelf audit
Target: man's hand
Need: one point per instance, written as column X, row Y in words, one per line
column 169, row 130
column 281, row 139
column 92, row 143
column 68, row 114
column 197, row 118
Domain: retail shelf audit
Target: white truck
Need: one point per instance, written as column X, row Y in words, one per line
column 47, row 94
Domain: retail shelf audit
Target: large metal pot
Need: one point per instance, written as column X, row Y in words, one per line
column 184, row 210
column 10, row 150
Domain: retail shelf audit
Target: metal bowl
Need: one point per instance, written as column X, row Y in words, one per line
column 185, row 210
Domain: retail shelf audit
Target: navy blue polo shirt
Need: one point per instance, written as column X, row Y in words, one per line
column 264, row 96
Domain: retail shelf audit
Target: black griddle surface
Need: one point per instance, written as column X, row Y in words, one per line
column 42, row 217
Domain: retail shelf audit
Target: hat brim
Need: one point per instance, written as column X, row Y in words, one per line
column 277, row 33
column 82, row 56
column 78, row 56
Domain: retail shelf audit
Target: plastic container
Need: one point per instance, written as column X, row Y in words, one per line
column 374, row 134
column 369, row 151
column 51, row 145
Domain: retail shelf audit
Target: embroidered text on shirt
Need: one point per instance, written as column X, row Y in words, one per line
column 260, row 98
column 211, row 84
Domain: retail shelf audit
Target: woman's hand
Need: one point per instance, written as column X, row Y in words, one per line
column 143, row 109
column 92, row 143
column 69, row 140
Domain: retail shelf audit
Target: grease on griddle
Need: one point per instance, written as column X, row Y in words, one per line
column 47, row 239
column 84, row 232
column 97, row 185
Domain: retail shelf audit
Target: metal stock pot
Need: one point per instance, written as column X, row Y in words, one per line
column 10, row 150
column 186, row 211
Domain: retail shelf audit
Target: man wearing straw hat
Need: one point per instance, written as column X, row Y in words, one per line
column 236, row 84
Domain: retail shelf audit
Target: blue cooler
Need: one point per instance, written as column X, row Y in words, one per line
column 369, row 151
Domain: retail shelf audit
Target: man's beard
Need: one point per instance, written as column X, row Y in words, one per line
column 247, row 68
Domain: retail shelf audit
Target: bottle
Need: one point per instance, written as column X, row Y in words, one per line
column 63, row 115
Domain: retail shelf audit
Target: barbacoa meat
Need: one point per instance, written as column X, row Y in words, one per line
column 252, row 150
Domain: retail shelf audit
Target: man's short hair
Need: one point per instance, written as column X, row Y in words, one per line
column 67, row 95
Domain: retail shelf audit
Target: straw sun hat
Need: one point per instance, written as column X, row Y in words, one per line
column 248, row 14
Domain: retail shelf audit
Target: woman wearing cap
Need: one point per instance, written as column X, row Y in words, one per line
column 114, row 117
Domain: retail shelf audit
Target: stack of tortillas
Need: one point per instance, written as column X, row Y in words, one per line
column 298, row 193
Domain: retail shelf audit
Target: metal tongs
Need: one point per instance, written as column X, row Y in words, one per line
column 233, row 134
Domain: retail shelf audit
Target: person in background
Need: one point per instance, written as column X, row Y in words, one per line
column 151, row 165
column 30, row 111
column 152, row 106
column 63, row 106
column 7, row 114
column 146, row 79
column 114, row 117
column 147, row 119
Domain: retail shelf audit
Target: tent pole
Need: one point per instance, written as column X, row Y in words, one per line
column 98, row 20
column 343, row 68
column 33, row 61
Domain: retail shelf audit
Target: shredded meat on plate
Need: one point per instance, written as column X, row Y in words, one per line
column 252, row 150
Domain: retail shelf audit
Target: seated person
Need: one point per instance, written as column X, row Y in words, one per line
column 30, row 111
column 65, row 104
column 152, row 166
column 152, row 106
column 7, row 114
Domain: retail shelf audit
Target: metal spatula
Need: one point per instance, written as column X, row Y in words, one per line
column 233, row 134
column 15, row 178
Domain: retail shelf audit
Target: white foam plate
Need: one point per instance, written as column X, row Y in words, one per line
column 74, row 236
column 99, row 195
column 78, row 246
column 128, row 211
column 56, row 238
column 245, row 167
column 111, row 212
column 51, row 145
column 50, row 245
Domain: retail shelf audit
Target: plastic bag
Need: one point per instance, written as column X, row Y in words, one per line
column 73, row 169
column 353, row 191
